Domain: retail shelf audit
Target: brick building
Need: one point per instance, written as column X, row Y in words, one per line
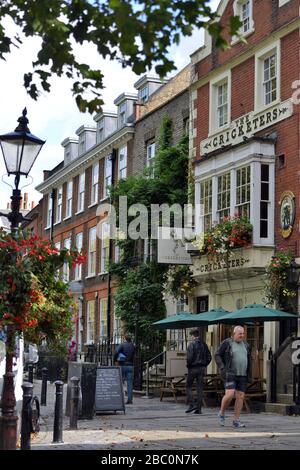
column 245, row 143
column 170, row 100
column 96, row 158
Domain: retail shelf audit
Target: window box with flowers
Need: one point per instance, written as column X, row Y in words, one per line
column 277, row 289
column 219, row 241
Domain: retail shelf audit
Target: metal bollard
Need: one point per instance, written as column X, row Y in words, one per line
column 58, row 413
column 44, row 386
column 30, row 372
column 74, row 402
column 26, row 415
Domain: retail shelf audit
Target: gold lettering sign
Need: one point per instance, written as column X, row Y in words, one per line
column 246, row 126
column 222, row 264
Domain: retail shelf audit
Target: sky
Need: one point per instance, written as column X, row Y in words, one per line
column 54, row 116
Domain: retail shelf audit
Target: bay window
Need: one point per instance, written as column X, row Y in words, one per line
column 244, row 190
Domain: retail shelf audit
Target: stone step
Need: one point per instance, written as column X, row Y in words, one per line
column 290, row 388
column 285, row 398
column 279, row 408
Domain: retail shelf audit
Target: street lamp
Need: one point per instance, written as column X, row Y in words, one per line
column 20, row 149
column 293, row 272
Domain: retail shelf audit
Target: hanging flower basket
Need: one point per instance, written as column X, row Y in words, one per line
column 34, row 301
column 277, row 290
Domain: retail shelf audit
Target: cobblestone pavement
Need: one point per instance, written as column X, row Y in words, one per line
column 150, row 424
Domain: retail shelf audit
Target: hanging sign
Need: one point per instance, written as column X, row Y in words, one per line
column 287, row 213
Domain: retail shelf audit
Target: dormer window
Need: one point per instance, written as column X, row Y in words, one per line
column 245, row 16
column 144, row 94
column 122, row 114
column 244, row 10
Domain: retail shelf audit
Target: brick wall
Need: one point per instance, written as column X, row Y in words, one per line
column 148, row 128
column 267, row 19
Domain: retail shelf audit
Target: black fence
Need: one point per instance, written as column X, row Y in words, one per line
column 103, row 354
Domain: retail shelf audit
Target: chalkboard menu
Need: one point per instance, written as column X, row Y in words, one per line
column 109, row 389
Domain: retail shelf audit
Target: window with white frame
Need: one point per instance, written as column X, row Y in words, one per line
column 104, row 246
column 69, row 199
column 79, row 244
column 245, row 16
column 267, row 76
column 95, row 183
column 122, row 162
column 66, row 268
column 270, row 79
column 144, row 94
column 81, row 185
column 122, row 114
column 247, row 190
column 59, row 204
column 244, row 10
column 206, row 202
column 117, row 329
column 107, row 176
column 90, row 324
column 103, row 318
column 223, row 200
column 49, row 210
column 222, row 104
column 243, row 194
column 92, row 252
column 150, row 149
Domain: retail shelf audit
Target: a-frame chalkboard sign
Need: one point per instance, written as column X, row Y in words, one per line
column 109, row 394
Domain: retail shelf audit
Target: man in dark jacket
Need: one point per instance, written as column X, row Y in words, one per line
column 198, row 358
column 124, row 354
column 234, row 361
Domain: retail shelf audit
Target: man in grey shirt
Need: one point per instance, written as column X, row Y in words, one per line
column 234, row 359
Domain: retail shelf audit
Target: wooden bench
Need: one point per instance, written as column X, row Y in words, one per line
column 177, row 386
column 173, row 385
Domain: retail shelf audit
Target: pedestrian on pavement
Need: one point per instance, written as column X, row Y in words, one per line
column 124, row 355
column 234, row 361
column 198, row 358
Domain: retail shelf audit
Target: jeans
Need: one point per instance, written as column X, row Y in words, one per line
column 127, row 374
column 195, row 373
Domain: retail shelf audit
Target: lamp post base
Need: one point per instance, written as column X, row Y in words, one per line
column 8, row 432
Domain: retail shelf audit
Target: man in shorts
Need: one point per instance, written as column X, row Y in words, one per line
column 234, row 360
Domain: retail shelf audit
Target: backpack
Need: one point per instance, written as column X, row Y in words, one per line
column 121, row 357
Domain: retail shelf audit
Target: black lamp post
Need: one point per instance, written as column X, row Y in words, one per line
column 293, row 272
column 20, row 149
